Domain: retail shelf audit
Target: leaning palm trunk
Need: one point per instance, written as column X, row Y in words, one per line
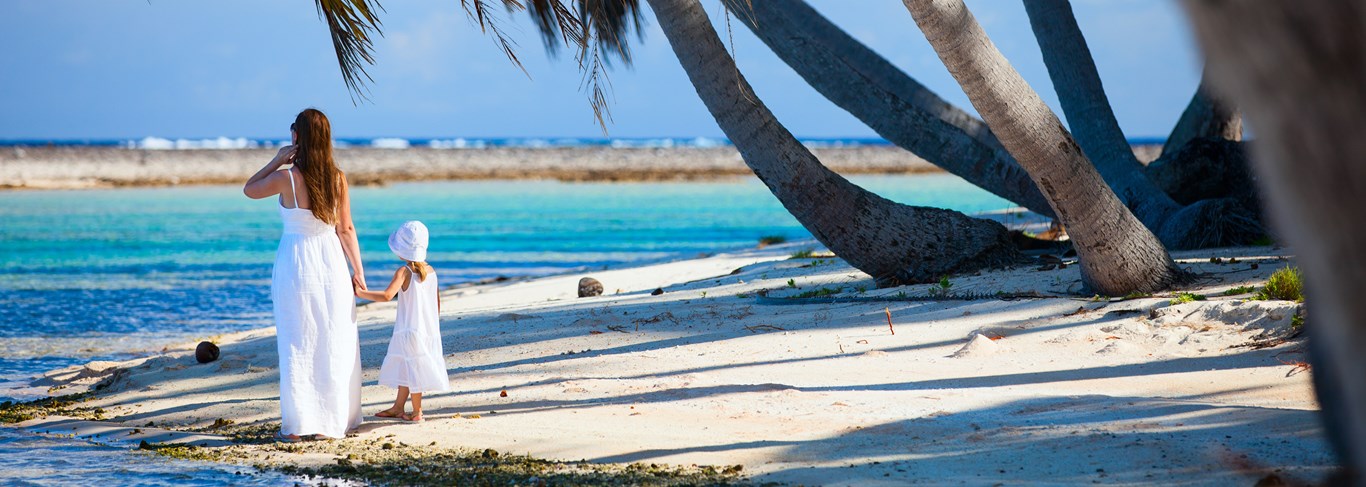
column 890, row 102
column 890, row 241
column 1088, row 111
column 1299, row 70
column 1118, row 254
column 1089, row 115
column 1207, row 115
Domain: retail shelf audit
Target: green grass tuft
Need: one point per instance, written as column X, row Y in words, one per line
column 1239, row 290
column 771, row 240
column 1186, row 298
column 1285, row 284
column 803, row 254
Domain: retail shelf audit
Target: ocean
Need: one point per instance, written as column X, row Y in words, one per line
column 110, row 274
column 115, row 274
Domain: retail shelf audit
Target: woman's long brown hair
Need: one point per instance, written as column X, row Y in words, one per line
column 314, row 160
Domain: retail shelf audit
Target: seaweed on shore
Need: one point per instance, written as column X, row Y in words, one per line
column 386, row 461
column 67, row 405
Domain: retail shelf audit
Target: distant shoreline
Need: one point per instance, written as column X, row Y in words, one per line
column 96, row 167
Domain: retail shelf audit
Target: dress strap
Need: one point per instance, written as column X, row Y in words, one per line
column 290, row 172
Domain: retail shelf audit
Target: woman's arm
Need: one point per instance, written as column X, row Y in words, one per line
column 389, row 292
column 346, row 232
column 265, row 182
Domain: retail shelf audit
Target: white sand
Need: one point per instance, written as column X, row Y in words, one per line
column 1030, row 391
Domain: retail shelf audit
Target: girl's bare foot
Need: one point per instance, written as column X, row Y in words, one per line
column 390, row 413
column 414, row 416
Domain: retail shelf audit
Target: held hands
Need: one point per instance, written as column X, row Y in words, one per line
column 358, row 283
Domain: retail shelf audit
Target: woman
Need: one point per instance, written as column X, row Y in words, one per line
column 314, row 309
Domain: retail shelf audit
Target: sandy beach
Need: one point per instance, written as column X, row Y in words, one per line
column 789, row 368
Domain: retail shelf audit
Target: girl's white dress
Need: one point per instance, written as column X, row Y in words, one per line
column 415, row 359
column 315, row 327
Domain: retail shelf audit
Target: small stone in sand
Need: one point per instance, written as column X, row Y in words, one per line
column 589, row 287
column 206, row 352
column 657, row 291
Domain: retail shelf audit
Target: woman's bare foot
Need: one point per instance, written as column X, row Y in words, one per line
column 415, row 416
column 390, row 413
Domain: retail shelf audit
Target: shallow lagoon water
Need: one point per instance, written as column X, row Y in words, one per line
column 113, row 274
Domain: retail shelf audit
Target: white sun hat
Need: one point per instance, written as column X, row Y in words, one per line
column 410, row 241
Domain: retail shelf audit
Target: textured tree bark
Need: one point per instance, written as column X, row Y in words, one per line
column 1089, row 115
column 894, row 243
column 1299, row 71
column 1118, row 254
column 890, row 102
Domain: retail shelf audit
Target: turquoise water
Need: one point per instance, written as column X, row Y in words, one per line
column 111, row 273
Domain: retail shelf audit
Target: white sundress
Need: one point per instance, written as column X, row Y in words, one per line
column 415, row 359
column 315, row 328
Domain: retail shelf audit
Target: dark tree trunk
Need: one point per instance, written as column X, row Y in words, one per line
column 890, row 102
column 1207, row 116
column 890, row 241
column 1299, row 71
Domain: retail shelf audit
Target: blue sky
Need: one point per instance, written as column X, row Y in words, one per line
column 128, row 69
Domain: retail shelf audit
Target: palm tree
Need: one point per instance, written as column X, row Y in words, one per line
column 911, row 116
column 1077, row 83
column 892, row 242
column 883, row 97
column 1118, row 254
column 1299, row 69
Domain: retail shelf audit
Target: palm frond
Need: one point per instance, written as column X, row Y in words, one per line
column 608, row 22
column 479, row 12
column 352, row 23
column 557, row 23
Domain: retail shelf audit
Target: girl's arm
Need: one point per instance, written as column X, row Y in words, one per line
column 346, row 232
column 388, row 293
column 267, row 182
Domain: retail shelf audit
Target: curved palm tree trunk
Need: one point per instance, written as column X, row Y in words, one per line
column 890, row 102
column 890, row 241
column 1118, row 254
column 1299, row 69
column 1088, row 111
column 1207, row 115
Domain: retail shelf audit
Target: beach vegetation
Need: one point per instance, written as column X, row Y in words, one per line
column 803, row 254
column 819, row 293
column 767, row 240
column 941, row 289
column 792, row 283
column 1239, row 290
column 1186, row 298
column 861, row 289
column 1138, row 295
column 1286, row 284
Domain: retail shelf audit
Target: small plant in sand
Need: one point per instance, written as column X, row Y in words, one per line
column 1239, row 290
column 1137, row 295
column 1285, row 284
column 942, row 288
column 861, row 289
column 803, row 254
column 1187, row 298
column 792, row 283
column 767, row 240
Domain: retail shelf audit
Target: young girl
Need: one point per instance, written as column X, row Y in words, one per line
column 415, row 363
